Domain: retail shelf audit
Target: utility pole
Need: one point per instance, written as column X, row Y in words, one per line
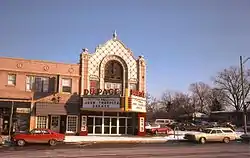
column 243, row 93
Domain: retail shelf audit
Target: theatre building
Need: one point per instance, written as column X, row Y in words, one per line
column 38, row 94
column 113, row 86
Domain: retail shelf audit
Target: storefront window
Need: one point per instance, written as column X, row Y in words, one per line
column 41, row 122
column 72, row 124
column 21, row 123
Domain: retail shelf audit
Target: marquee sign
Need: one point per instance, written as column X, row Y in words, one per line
column 137, row 93
column 93, row 91
column 102, row 102
column 138, row 104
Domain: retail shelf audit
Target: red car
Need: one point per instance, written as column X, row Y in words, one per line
column 163, row 129
column 38, row 136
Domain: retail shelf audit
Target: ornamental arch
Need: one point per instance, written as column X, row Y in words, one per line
column 113, row 73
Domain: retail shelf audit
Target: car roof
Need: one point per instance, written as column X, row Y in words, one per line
column 219, row 128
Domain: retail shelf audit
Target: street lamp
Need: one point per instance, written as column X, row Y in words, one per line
column 243, row 93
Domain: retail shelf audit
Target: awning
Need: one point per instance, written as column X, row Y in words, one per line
column 44, row 108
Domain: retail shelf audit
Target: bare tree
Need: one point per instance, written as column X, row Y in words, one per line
column 218, row 100
column 229, row 81
column 151, row 103
column 201, row 93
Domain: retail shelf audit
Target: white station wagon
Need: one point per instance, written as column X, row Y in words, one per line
column 216, row 134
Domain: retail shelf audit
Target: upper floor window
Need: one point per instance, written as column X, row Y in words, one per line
column 66, row 85
column 12, row 79
column 37, row 84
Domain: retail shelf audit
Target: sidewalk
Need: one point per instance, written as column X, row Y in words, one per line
column 113, row 139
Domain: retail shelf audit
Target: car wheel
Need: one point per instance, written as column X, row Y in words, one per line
column 226, row 140
column 202, row 140
column 20, row 142
column 52, row 142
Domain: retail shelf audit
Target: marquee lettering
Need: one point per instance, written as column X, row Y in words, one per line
column 137, row 93
column 93, row 91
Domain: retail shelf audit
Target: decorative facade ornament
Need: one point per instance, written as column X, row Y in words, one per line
column 71, row 70
column 46, row 68
column 19, row 65
column 114, row 35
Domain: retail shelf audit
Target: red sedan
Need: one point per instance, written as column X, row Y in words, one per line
column 163, row 129
column 38, row 136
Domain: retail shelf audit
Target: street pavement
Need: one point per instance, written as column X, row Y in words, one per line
column 170, row 149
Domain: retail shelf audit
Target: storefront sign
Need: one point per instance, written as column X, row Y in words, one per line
column 137, row 93
column 138, row 104
column 101, row 103
column 93, row 91
column 23, row 110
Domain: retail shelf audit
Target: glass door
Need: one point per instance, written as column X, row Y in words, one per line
column 55, row 123
column 113, row 125
column 98, row 125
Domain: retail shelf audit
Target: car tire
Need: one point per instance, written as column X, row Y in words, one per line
column 226, row 140
column 20, row 142
column 202, row 140
column 52, row 142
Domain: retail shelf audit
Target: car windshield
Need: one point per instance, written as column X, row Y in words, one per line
column 207, row 131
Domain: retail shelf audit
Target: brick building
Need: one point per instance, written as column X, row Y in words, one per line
column 103, row 94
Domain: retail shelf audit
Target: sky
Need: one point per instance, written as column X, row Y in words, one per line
column 183, row 41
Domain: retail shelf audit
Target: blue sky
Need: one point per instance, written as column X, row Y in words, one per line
column 184, row 41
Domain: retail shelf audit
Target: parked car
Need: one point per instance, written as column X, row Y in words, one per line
column 245, row 137
column 162, row 129
column 215, row 134
column 38, row 136
column 150, row 126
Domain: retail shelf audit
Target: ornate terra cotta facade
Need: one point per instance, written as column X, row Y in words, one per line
column 113, row 85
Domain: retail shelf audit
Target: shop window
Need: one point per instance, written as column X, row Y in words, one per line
column 37, row 84
column 66, row 85
column 12, row 79
column 71, row 124
column 41, row 122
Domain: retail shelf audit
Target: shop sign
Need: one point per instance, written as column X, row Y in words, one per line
column 138, row 104
column 137, row 93
column 94, row 91
column 101, row 103
column 23, row 110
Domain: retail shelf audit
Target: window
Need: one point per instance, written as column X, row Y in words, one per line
column 72, row 124
column 66, row 85
column 37, row 84
column 218, row 131
column 213, row 132
column 12, row 79
column 41, row 122
column 227, row 131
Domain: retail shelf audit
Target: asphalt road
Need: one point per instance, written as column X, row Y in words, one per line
column 173, row 150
